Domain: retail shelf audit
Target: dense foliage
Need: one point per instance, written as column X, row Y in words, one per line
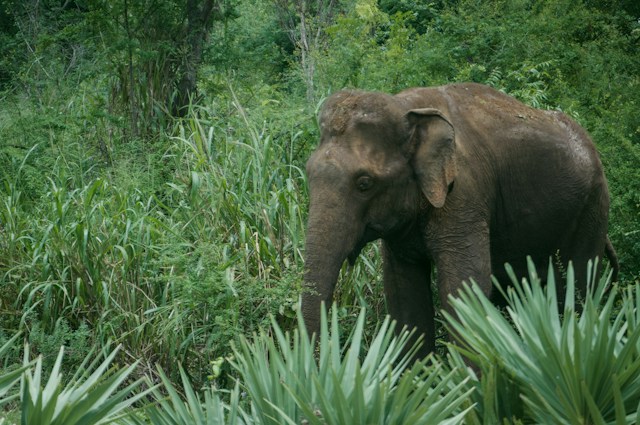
column 536, row 367
column 152, row 187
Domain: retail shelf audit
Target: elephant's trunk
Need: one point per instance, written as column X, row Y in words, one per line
column 330, row 239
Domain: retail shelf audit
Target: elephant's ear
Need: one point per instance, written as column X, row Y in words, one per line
column 434, row 146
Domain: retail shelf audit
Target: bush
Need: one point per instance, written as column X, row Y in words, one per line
column 537, row 364
column 544, row 365
column 348, row 382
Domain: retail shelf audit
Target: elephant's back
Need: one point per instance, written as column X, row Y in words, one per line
column 469, row 101
column 490, row 124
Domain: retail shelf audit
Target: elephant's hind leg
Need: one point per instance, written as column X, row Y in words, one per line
column 587, row 241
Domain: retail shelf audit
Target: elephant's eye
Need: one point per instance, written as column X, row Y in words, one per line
column 364, row 183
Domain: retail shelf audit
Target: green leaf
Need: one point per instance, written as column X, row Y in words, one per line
column 559, row 366
column 90, row 400
column 342, row 385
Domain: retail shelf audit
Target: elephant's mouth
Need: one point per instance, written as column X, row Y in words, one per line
column 353, row 255
column 370, row 234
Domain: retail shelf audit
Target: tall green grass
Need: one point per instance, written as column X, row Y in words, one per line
column 244, row 188
column 172, row 272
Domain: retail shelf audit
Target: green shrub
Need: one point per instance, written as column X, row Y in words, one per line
column 78, row 342
column 346, row 383
column 191, row 408
column 94, row 395
column 537, row 364
column 544, row 365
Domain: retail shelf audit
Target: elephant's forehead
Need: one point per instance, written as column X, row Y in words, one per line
column 340, row 121
column 370, row 126
column 347, row 110
column 358, row 155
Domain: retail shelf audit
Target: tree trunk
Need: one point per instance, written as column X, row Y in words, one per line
column 305, row 22
column 199, row 18
column 133, row 104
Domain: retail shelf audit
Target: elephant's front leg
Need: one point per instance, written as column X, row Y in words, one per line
column 461, row 254
column 407, row 286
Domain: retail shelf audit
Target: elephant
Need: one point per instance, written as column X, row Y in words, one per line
column 460, row 177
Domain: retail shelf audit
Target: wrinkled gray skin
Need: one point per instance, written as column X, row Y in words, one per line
column 460, row 177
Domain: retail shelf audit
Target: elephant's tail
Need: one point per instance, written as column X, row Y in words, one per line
column 613, row 259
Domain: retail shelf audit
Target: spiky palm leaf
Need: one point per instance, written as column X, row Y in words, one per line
column 287, row 383
column 93, row 396
column 542, row 366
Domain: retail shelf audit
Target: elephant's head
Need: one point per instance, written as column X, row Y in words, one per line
column 376, row 161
